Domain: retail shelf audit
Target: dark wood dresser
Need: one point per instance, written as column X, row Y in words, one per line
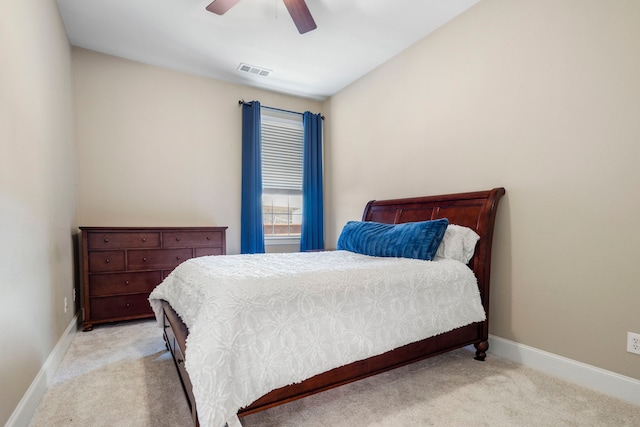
column 122, row 265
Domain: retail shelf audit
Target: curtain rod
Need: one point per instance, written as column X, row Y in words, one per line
column 243, row 102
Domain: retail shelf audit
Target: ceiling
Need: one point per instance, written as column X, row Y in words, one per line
column 353, row 37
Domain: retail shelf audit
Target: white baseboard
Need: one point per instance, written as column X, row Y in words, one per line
column 601, row 380
column 28, row 405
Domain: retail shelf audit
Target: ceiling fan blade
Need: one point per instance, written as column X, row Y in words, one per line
column 300, row 14
column 219, row 7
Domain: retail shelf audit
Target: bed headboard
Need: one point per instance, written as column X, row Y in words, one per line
column 476, row 210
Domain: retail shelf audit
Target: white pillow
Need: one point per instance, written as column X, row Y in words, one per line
column 458, row 243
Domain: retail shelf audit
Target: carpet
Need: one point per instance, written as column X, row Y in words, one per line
column 122, row 375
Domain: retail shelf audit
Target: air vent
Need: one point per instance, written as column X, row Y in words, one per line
column 257, row 71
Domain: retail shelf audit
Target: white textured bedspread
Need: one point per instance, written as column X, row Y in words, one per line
column 260, row 322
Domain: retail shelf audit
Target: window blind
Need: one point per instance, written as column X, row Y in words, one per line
column 281, row 152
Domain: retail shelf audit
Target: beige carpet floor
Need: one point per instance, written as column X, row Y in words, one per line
column 122, row 375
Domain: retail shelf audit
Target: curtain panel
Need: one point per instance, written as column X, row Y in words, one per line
column 312, row 233
column 251, row 227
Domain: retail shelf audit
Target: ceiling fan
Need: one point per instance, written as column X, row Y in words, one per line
column 297, row 9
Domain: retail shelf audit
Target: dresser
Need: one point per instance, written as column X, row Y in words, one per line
column 122, row 265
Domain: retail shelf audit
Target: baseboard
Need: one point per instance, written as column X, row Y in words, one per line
column 601, row 380
column 29, row 403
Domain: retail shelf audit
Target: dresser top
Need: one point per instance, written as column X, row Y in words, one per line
column 151, row 228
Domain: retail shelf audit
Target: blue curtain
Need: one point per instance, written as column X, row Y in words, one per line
column 312, row 234
column 251, row 228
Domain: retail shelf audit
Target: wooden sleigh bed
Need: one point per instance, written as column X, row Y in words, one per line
column 476, row 210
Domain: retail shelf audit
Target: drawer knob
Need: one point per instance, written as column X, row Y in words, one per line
column 106, row 240
column 208, row 238
column 144, row 259
column 177, row 239
column 126, row 282
column 127, row 305
column 107, row 260
column 144, row 239
column 178, row 258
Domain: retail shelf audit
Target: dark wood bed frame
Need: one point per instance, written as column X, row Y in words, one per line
column 476, row 210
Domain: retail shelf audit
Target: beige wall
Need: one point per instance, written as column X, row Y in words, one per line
column 37, row 192
column 543, row 98
column 159, row 147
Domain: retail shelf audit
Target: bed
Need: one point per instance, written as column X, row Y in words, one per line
column 281, row 374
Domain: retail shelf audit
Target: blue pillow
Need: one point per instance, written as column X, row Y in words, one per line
column 419, row 240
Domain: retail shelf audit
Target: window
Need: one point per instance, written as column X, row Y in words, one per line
column 281, row 175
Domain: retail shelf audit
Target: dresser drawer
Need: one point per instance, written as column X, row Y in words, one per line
column 120, row 240
column 181, row 239
column 208, row 251
column 122, row 306
column 157, row 258
column 100, row 261
column 123, row 283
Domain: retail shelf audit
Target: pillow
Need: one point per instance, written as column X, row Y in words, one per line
column 419, row 240
column 458, row 243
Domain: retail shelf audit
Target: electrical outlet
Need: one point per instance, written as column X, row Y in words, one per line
column 66, row 304
column 633, row 343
